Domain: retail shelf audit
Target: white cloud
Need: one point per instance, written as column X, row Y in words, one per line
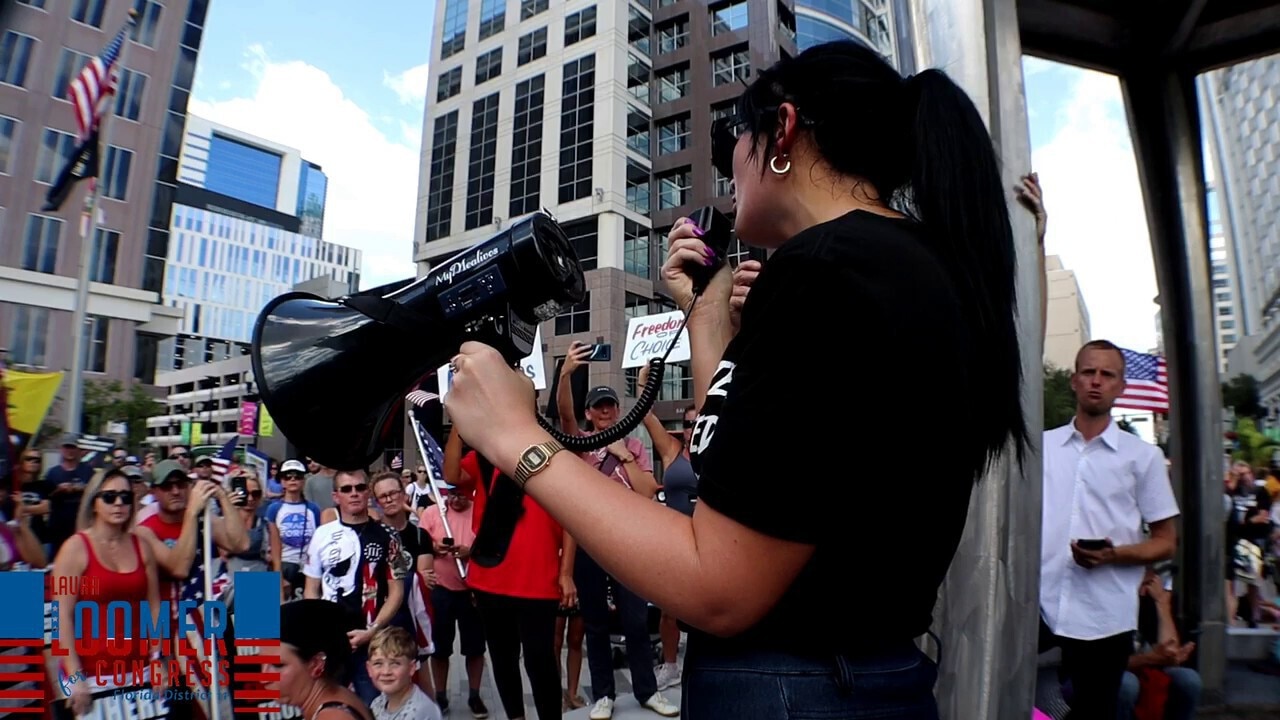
column 373, row 178
column 410, row 85
column 1097, row 221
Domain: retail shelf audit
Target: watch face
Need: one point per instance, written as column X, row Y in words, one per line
column 535, row 457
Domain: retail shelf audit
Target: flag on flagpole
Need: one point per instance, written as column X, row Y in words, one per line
column 94, row 82
column 1146, row 381
column 223, row 461
column 82, row 164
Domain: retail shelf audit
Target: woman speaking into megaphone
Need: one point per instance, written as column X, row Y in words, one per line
column 805, row 573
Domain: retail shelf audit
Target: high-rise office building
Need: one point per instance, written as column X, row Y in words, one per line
column 601, row 113
column 43, row 45
column 1066, row 318
column 1243, row 110
column 240, row 236
column 1225, row 278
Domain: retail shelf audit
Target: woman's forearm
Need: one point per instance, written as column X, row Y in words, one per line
column 710, row 330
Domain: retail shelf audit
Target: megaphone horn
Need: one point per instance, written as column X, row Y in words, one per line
column 333, row 373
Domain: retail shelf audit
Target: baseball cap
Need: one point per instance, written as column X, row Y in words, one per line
column 166, row 470
column 599, row 394
column 293, row 466
column 69, row 440
column 131, row 460
column 133, row 472
column 204, row 459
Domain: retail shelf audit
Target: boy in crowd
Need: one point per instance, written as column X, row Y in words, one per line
column 393, row 661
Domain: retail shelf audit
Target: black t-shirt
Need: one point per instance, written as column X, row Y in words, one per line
column 33, row 491
column 63, row 508
column 415, row 541
column 356, row 565
column 851, row 343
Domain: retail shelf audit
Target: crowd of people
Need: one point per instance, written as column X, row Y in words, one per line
column 521, row 550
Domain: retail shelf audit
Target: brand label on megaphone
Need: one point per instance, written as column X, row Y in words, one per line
column 460, row 266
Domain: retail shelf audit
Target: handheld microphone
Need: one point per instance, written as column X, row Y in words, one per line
column 715, row 235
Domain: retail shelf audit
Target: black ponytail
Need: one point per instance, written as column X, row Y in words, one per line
column 957, row 191
column 920, row 143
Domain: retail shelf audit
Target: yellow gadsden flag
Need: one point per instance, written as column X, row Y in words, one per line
column 30, row 396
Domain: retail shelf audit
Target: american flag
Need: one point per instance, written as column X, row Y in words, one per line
column 223, row 461
column 435, row 456
column 193, row 591
column 420, row 398
column 1146, row 382
column 397, row 462
column 95, row 81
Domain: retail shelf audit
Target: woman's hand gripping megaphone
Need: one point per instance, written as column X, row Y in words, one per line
column 688, row 250
column 490, row 402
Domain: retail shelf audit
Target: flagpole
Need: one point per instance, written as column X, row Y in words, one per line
column 89, row 232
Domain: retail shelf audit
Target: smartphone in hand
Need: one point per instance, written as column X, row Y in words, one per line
column 1094, row 545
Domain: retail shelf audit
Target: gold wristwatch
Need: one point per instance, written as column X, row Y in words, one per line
column 534, row 460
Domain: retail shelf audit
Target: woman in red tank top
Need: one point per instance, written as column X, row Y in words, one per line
column 103, row 563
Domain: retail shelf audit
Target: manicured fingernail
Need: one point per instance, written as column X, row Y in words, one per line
column 709, row 262
column 709, row 252
column 698, row 231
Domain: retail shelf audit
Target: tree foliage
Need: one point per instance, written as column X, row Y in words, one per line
column 1251, row 445
column 109, row 401
column 1059, row 400
column 1240, row 393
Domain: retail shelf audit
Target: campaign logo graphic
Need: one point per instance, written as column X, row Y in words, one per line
column 203, row 655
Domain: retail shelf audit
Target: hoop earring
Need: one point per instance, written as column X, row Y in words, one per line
column 773, row 165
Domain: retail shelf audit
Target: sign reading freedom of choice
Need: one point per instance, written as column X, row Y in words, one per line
column 651, row 335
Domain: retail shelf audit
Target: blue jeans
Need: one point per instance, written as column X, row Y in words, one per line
column 1184, row 694
column 893, row 685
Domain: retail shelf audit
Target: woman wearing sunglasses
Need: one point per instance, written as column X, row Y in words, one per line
column 890, row 294
column 112, row 565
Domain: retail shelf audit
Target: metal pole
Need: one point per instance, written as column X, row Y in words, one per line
column 215, row 695
column 431, row 485
column 88, row 237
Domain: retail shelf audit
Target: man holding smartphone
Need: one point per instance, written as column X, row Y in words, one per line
column 1100, row 485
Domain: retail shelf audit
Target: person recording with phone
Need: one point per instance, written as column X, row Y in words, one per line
column 1100, row 485
column 882, row 198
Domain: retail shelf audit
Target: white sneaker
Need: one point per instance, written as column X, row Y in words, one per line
column 659, row 704
column 668, row 675
column 602, row 710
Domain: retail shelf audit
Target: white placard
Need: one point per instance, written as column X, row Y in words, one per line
column 651, row 335
column 534, row 367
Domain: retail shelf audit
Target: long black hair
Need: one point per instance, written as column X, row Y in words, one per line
column 921, row 144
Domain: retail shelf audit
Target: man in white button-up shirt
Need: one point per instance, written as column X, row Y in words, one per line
column 1100, row 485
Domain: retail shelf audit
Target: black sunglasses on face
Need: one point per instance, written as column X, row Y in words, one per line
column 726, row 131
column 33, row 458
column 176, row 456
column 116, row 497
column 291, row 476
column 255, row 494
column 348, row 489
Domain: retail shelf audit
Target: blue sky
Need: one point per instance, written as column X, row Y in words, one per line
column 346, row 85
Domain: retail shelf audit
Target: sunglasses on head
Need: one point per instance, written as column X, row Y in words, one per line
column 348, row 489
column 116, row 497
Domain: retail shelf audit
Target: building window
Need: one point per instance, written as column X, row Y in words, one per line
column 673, row 135
column 1224, row 310
column 638, row 188
column 584, row 236
column 15, row 56
column 8, row 132
column 575, row 319
column 489, row 65
column 786, row 23
column 70, row 63
column 532, row 46
column 677, row 382
column 526, row 147
column 1227, row 324
column 638, row 79
column 728, row 17
column 96, row 329
column 673, row 190
column 102, row 267
column 635, row 249
column 33, row 3
column 577, row 126
column 243, row 171
column 453, row 33
column 673, row 83
column 30, row 336
column 638, row 131
column 450, row 84
column 88, row 12
column 635, row 306
column 144, row 32
column 444, row 144
column 730, row 66
column 638, row 27
column 673, row 35
column 481, row 167
column 579, row 26
column 723, row 110
column 720, row 184
column 1228, row 338
column 493, row 17
column 529, row 8
column 115, row 173
column 40, row 244
column 129, row 94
